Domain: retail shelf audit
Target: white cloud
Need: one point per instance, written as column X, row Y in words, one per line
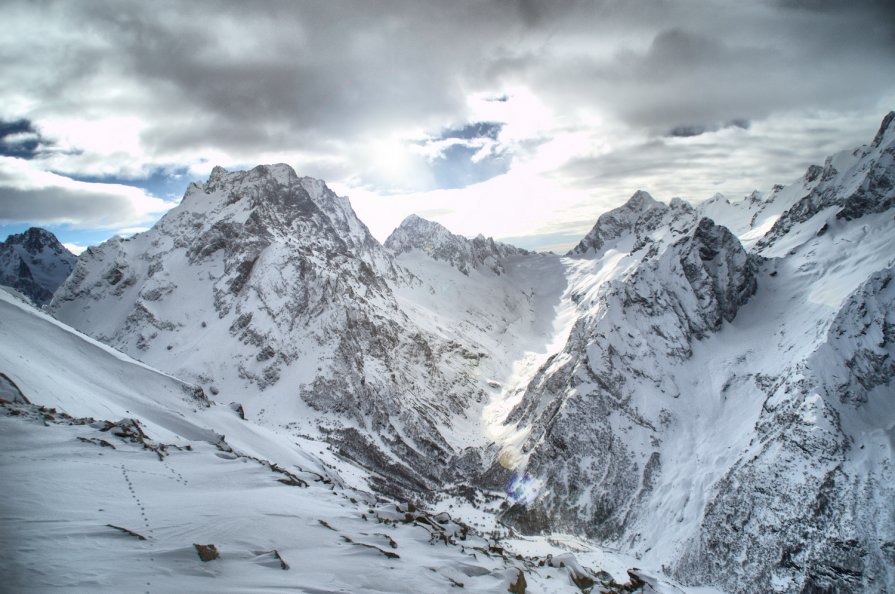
column 75, row 248
column 29, row 194
column 509, row 205
column 586, row 92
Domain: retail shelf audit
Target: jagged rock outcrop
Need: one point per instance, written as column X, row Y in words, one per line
column 720, row 272
column 438, row 243
column 35, row 264
column 848, row 186
column 640, row 213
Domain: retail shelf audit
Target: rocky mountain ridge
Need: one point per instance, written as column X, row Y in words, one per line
column 434, row 240
column 264, row 287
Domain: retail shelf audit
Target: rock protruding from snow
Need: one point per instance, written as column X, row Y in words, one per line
column 885, row 129
column 858, row 358
column 35, row 264
column 719, row 270
column 433, row 239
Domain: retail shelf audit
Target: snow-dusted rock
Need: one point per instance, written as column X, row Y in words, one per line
column 35, row 264
column 264, row 286
column 725, row 412
column 416, row 233
column 850, row 185
column 640, row 213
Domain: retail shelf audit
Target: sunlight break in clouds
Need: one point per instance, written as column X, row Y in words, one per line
column 576, row 104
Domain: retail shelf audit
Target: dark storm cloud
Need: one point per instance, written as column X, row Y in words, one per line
column 246, row 76
column 688, row 130
column 704, row 68
column 82, row 205
column 243, row 75
column 19, row 139
column 43, row 204
column 873, row 6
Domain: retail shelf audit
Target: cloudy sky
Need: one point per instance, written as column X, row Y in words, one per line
column 523, row 120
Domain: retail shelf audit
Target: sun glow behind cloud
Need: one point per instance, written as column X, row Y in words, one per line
column 508, row 119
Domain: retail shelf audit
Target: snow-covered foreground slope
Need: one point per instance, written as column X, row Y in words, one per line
column 114, row 472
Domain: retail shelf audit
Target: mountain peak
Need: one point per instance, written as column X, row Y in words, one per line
column 414, row 221
column 217, row 172
column 641, row 200
column 220, row 178
column 620, row 222
column 884, row 128
column 35, row 263
column 34, row 239
column 436, row 241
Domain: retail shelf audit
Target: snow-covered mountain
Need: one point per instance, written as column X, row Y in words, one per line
column 708, row 388
column 727, row 412
column 118, row 478
column 264, row 288
column 35, row 264
column 438, row 243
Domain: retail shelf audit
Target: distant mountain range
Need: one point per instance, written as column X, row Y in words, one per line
column 35, row 264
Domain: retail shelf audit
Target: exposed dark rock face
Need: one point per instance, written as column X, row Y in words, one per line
column 871, row 192
column 35, row 264
column 858, row 357
column 720, row 272
column 583, row 405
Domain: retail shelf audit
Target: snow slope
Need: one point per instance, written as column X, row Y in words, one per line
column 114, row 473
